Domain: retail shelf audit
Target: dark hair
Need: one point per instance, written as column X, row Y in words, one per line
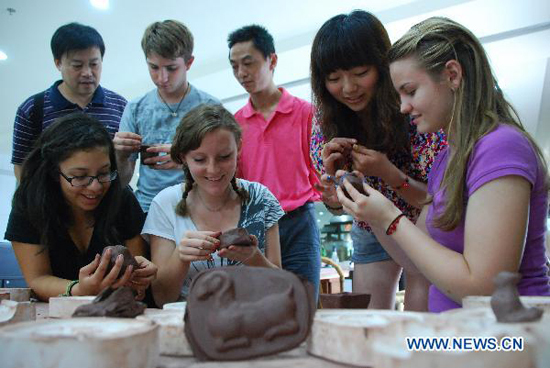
column 39, row 195
column 75, row 36
column 170, row 39
column 194, row 126
column 260, row 37
column 344, row 42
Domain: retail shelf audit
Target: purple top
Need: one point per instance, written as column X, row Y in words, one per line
column 503, row 152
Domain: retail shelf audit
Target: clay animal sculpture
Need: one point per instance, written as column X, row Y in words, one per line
column 128, row 259
column 234, row 324
column 506, row 303
column 238, row 236
column 110, row 302
column 353, row 180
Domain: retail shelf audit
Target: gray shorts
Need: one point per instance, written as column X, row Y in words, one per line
column 366, row 248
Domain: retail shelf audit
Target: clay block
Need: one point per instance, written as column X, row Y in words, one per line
column 129, row 259
column 144, row 154
column 64, row 306
column 353, row 180
column 16, row 294
column 237, row 313
column 12, row 312
column 171, row 336
column 112, row 303
column 345, row 300
column 238, row 236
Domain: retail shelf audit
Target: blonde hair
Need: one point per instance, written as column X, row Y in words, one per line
column 194, row 126
column 479, row 104
column 169, row 39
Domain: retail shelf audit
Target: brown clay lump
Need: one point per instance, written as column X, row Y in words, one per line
column 129, row 259
column 238, row 236
column 506, row 303
column 353, row 180
column 110, row 302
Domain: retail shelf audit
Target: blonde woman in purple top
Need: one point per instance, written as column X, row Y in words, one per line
column 489, row 189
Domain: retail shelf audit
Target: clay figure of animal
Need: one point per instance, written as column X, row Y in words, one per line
column 234, row 324
column 506, row 303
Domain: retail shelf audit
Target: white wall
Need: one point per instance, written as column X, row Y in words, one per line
column 515, row 34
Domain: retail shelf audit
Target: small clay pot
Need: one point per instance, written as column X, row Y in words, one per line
column 353, row 180
column 128, row 259
column 238, row 236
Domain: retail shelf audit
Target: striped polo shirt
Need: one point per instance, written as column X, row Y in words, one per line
column 106, row 106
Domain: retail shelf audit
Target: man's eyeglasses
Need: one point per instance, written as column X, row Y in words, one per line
column 84, row 181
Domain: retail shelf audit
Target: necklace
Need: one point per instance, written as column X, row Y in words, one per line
column 174, row 113
column 218, row 208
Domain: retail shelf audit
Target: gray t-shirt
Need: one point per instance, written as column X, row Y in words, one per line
column 149, row 117
column 258, row 215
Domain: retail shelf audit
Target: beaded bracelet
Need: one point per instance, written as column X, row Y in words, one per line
column 403, row 185
column 393, row 225
column 69, row 288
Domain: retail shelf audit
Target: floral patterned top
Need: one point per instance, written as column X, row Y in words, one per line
column 424, row 149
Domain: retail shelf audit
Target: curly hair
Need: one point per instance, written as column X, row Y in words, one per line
column 39, row 195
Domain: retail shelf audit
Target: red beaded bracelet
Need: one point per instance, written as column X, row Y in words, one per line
column 393, row 225
column 404, row 185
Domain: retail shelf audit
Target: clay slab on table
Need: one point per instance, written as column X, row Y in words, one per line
column 390, row 349
column 64, row 306
column 13, row 312
column 172, row 340
column 80, row 342
column 17, row 294
column 346, row 336
column 542, row 302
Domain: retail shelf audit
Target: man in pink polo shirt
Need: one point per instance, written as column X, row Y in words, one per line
column 275, row 151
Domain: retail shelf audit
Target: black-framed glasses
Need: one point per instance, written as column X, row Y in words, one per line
column 84, row 181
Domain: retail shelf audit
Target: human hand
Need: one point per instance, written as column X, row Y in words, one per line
column 370, row 162
column 335, row 153
column 92, row 277
column 143, row 276
column 126, row 142
column 240, row 253
column 161, row 162
column 373, row 208
column 198, row 245
column 327, row 189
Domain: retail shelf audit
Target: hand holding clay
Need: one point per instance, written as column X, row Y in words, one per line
column 336, row 154
column 238, row 236
column 237, row 245
column 94, row 277
column 328, row 191
column 354, row 180
column 145, row 154
column 144, row 274
column 372, row 207
column 198, row 245
column 127, row 258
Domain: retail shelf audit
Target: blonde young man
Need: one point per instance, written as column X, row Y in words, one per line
column 151, row 120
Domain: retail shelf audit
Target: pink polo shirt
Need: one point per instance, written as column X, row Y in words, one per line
column 276, row 152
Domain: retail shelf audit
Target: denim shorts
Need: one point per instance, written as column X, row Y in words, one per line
column 366, row 248
column 300, row 244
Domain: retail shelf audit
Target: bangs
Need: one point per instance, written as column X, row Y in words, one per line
column 345, row 45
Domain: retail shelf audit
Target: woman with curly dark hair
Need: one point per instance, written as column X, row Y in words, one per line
column 359, row 127
column 68, row 207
